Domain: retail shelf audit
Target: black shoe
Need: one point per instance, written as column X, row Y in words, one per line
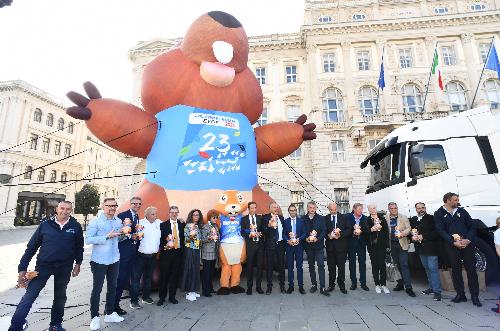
column 313, row 289
column 249, row 291
column 135, row 305
column 207, row 295
column 269, row 290
column 237, row 289
column 398, row 288
column 147, row 301
column 324, row 292
column 173, row 301
column 282, row 289
column 437, row 297
column 330, row 288
column 410, row 292
column 301, row 290
column 160, row 302
column 120, row 311
column 364, row 287
column 459, row 298
column 343, row 290
column 427, row 292
column 223, row 291
column 353, row 287
column 290, row 290
column 476, row 302
column 259, row 290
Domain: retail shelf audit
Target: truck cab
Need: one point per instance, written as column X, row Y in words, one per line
column 421, row 161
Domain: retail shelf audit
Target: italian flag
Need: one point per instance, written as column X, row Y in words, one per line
column 435, row 63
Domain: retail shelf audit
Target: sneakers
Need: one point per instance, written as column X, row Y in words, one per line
column 135, row 305
column 25, row 326
column 197, row 295
column 427, row 292
column 147, row 301
column 191, row 296
column 437, row 297
column 378, row 289
column 385, row 289
column 113, row 318
column 95, row 323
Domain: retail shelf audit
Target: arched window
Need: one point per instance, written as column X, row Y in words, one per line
column 71, row 127
column 27, row 172
column 492, row 87
column 333, row 108
column 41, row 175
column 412, row 98
column 456, row 96
column 53, row 176
column 37, row 115
column 60, row 124
column 50, row 120
column 64, row 177
column 367, row 98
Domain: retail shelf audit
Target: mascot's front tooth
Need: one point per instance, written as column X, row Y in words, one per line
column 223, row 51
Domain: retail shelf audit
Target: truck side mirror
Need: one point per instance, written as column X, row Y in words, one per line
column 417, row 165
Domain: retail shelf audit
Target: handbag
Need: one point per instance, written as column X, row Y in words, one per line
column 391, row 270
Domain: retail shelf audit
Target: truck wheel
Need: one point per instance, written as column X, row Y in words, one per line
column 486, row 260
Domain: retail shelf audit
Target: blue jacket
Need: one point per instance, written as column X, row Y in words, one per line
column 127, row 246
column 318, row 224
column 299, row 230
column 362, row 224
column 461, row 223
column 56, row 245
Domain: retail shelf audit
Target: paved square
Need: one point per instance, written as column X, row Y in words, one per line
column 358, row 310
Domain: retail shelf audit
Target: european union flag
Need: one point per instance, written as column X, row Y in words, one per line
column 492, row 63
column 381, row 80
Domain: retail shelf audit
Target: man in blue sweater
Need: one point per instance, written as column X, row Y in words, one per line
column 456, row 227
column 60, row 240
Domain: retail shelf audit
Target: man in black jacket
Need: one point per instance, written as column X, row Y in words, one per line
column 456, row 227
column 272, row 225
column 315, row 236
column 336, row 246
column 251, row 230
column 60, row 240
column 425, row 239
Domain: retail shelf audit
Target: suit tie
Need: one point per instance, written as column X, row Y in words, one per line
column 334, row 220
column 176, row 238
column 293, row 225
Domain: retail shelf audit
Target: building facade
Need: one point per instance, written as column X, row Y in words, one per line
column 330, row 71
column 42, row 150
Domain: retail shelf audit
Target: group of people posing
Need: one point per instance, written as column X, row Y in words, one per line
column 127, row 249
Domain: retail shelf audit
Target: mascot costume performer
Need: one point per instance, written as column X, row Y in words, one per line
column 232, row 251
column 195, row 132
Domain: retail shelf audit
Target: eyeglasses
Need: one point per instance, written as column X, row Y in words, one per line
column 136, row 203
column 111, row 206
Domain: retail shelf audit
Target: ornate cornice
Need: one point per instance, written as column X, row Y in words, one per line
column 13, row 85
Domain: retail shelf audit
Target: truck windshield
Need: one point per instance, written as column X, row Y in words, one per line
column 386, row 168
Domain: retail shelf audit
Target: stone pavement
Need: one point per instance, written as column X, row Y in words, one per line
column 358, row 310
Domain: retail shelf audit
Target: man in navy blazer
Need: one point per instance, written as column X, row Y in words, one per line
column 357, row 246
column 128, row 250
column 272, row 225
column 294, row 248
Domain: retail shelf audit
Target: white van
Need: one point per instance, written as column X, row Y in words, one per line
column 421, row 161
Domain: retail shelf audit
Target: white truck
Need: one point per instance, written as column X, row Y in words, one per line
column 421, row 161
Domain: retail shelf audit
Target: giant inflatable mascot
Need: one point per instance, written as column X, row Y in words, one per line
column 195, row 132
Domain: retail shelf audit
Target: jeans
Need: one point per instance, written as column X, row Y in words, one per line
column 99, row 271
column 430, row 264
column 316, row 255
column 357, row 247
column 400, row 258
column 62, row 274
column 143, row 267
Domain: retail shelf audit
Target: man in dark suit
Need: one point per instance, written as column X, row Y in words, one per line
column 251, row 230
column 294, row 233
column 357, row 246
column 315, row 227
column 170, row 257
column 426, row 240
column 336, row 242
column 128, row 251
column 274, row 246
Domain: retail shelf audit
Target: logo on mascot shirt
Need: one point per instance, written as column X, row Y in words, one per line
column 198, row 149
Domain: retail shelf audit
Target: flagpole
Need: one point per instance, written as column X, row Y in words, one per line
column 429, row 78
column 378, row 95
column 482, row 71
column 378, row 88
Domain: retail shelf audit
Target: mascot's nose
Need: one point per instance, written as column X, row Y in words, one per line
column 229, row 21
column 223, row 51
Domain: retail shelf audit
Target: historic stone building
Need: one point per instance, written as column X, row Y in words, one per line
column 35, row 135
column 330, row 70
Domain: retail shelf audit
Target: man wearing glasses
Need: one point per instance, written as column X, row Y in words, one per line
column 128, row 251
column 104, row 232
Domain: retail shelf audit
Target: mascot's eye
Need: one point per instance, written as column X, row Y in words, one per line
column 240, row 197
column 223, row 198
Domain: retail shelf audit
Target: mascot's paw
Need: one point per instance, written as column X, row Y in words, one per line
column 237, row 289
column 81, row 111
column 223, row 291
column 309, row 133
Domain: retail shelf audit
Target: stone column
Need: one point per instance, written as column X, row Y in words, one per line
column 349, row 93
column 468, row 45
column 275, row 113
